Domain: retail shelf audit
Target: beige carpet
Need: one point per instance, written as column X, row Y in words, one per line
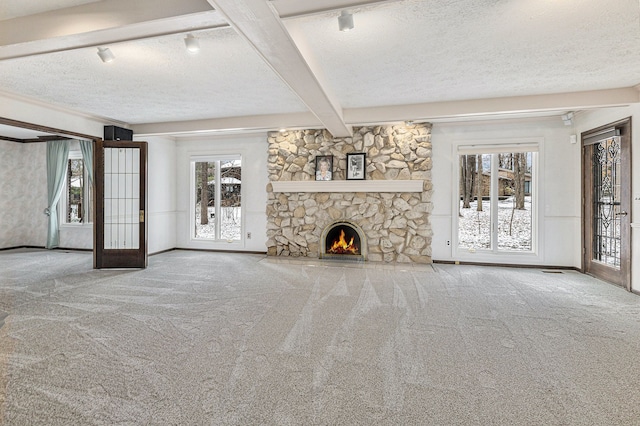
column 205, row 339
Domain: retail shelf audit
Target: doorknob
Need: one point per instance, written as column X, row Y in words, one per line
column 623, row 213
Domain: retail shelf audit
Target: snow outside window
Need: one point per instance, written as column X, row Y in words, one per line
column 217, row 210
column 497, row 199
column 77, row 199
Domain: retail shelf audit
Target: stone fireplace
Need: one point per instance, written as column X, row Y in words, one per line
column 391, row 206
column 344, row 240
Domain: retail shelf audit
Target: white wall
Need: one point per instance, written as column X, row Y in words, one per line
column 254, row 150
column 588, row 120
column 559, row 194
column 161, row 209
column 161, row 193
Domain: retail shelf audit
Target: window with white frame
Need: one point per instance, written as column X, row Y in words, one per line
column 497, row 199
column 77, row 199
column 217, row 200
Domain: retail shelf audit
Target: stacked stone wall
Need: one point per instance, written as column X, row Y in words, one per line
column 396, row 225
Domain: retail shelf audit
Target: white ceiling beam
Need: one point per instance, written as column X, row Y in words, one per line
column 485, row 107
column 296, row 8
column 259, row 25
column 103, row 22
column 520, row 107
column 247, row 124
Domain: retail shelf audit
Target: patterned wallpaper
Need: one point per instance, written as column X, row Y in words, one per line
column 23, row 194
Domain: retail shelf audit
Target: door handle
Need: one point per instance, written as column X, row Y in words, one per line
column 622, row 213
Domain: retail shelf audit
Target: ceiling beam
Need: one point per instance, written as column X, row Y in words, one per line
column 101, row 23
column 296, row 8
column 58, row 133
column 485, row 107
column 256, row 123
column 258, row 23
column 115, row 21
column 520, row 107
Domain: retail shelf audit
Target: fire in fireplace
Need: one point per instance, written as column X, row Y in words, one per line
column 340, row 245
column 343, row 239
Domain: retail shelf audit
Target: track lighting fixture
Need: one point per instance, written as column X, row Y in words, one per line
column 106, row 54
column 192, row 43
column 345, row 21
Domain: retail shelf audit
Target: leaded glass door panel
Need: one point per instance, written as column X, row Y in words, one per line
column 606, row 203
column 120, row 240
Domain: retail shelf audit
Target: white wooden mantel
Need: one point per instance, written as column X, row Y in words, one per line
column 349, row 186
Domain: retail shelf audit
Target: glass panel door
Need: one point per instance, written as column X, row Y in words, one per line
column 496, row 207
column 121, row 198
column 121, row 181
column 606, row 202
column 606, row 165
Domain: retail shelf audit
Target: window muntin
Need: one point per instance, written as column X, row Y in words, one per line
column 496, row 199
column 217, row 184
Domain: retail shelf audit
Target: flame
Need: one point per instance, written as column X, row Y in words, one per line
column 340, row 246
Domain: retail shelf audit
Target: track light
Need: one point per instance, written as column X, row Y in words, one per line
column 345, row 21
column 106, row 54
column 192, row 43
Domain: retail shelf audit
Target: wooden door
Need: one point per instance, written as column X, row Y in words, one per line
column 606, row 227
column 120, row 239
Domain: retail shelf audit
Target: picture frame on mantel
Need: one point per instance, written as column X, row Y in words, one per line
column 356, row 165
column 324, row 167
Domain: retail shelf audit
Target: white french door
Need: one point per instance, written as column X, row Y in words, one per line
column 496, row 200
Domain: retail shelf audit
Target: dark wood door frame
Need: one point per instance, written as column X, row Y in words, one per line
column 118, row 258
column 600, row 270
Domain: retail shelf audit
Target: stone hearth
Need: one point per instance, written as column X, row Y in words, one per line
column 396, row 224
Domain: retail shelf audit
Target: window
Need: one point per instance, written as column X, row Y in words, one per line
column 77, row 200
column 217, row 207
column 496, row 199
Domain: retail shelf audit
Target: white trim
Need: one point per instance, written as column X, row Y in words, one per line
column 349, row 186
column 497, row 148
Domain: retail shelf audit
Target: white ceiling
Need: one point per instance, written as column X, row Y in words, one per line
column 283, row 63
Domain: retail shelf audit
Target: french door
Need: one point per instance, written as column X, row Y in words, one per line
column 606, row 165
column 120, row 239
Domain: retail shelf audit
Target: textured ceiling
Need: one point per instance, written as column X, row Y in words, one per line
column 156, row 80
column 400, row 53
column 417, row 51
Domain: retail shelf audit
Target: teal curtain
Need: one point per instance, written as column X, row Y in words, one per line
column 57, row 155
column 87, row 157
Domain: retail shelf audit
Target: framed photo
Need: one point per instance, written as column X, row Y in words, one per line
column 356, row 166
column 324, row 167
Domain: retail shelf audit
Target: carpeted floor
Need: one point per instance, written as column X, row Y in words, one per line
column 220, row 338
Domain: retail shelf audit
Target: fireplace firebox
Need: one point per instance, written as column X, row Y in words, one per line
column 343, row 240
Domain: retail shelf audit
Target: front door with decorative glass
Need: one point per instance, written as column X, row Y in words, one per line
column 606, row 161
